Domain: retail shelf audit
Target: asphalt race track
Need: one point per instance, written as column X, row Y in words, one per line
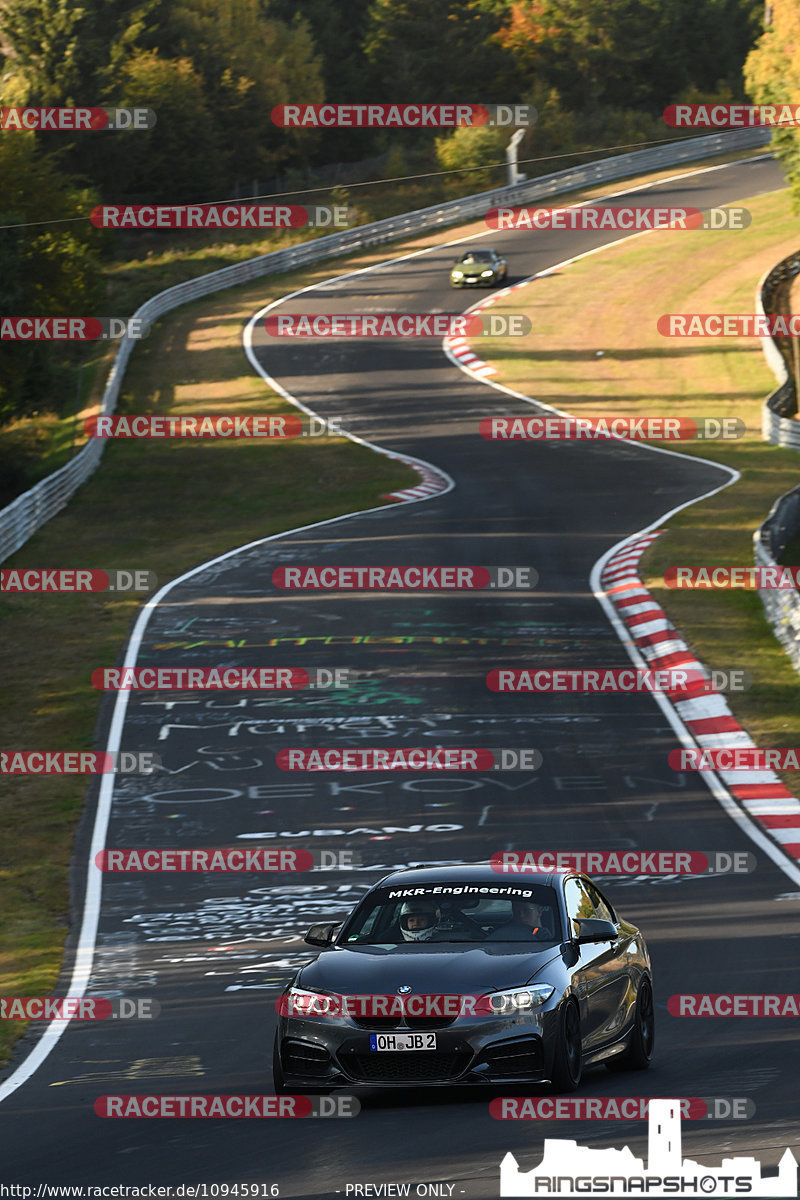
column 215, row 950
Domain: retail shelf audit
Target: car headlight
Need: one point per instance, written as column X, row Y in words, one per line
column 299, row 1002
column 457, row 274
column 484, row 274
column 520, row 999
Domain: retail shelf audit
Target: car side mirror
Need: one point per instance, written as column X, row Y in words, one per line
column 596, row 929
column 321, row 935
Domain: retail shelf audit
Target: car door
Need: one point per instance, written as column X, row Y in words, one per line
column 600, row 974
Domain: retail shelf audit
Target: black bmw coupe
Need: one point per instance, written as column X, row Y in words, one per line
column 462, row 975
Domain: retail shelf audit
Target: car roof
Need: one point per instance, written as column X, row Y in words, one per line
column 466, row 873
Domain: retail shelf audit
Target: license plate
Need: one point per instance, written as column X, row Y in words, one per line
column 402, row 1041
column 472, row 278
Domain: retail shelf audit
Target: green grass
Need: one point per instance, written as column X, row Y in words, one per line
column 164, row 506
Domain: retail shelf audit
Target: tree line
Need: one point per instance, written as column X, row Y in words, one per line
column 214, row 69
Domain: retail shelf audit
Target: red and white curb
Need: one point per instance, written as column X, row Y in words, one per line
column 433, row 481
column 706, row 715
column 460, row 347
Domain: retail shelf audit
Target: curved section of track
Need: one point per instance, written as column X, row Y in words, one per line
column 216, row 950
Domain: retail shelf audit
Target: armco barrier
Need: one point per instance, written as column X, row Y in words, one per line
column 30, row 510
column 780, row 408
column 769, row 543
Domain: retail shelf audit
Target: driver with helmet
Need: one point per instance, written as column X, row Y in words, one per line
column 420, row 919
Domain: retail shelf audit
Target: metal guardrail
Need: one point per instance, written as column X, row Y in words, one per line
column 769, row 543
column 20, row 519
column 778, row 425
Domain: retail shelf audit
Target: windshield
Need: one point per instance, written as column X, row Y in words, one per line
column 455, row 912
column 476, row 256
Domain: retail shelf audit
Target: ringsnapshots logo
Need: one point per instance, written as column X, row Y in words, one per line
column 317, row 577
column 77, row 762
column 617, row 218
column 730, row 116
column 71, row 329
column 76, row 120
column 226, row 425
column 220, row 216
column 579, row 429
column 570, row 1170
column 401, row 116
column 397, row 325
column 74, row 579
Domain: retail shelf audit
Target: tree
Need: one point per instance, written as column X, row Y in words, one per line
column 427, row 52
column 772, row 75
column 45, row 269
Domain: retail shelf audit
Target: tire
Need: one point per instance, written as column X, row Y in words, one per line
column 639, row 1053
column 278, row 1080
column 567, row 1062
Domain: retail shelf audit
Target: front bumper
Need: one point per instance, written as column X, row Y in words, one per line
column 513, row 1050
column 474, row 282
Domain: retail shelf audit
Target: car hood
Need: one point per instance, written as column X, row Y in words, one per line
column 381, row 970
column 473, row 266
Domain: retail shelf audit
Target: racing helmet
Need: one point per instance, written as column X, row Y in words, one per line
column 425, row 915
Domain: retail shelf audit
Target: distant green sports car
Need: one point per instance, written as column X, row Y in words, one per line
column 478, row 268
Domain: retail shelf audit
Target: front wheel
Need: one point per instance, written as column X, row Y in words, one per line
column 639, row 1053
column 568, row 1060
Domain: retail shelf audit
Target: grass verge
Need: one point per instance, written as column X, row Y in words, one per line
column 162, row 506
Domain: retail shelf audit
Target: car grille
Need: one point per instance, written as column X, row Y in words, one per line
column 389, row 1023
column 514, row 1058
column 407, row 1066
column 299, row 1058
